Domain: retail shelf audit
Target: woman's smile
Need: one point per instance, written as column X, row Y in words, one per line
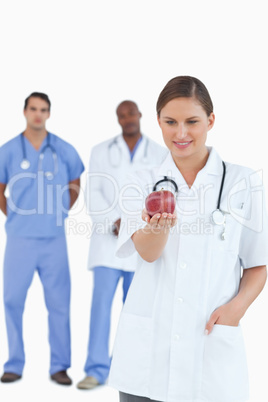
column 182, row 145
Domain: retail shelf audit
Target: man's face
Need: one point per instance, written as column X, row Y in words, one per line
column 36, row 113
column 129, row 118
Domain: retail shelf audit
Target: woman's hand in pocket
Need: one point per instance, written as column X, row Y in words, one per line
column 227, row 314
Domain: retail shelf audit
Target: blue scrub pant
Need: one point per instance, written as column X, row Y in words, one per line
column 105, row 283
column 47, row 256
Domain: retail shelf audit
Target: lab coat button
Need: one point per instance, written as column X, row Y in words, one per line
column 177, row 337
column 180, row 299
column 183, row 265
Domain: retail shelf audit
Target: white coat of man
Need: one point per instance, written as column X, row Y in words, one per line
column 110, row 162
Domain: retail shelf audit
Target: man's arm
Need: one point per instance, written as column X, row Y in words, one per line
column 3, row 200
column 74, row 188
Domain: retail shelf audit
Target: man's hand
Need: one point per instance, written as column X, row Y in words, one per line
column 116, row 227
column 74, row 188
column 3, row 200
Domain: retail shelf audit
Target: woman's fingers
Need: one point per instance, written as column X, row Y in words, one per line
column 212, row 320
column 155, row 219
column 160, row 220
column 172, row 220
column 145, row 216
column 164, row 220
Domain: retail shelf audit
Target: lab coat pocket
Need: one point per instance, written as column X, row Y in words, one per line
column 225, row 377
column 132, row 353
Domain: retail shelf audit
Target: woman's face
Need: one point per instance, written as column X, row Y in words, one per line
column 184, row 124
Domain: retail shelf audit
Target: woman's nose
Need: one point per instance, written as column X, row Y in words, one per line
column 182, row 132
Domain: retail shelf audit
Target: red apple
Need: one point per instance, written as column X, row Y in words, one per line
column 159, row 202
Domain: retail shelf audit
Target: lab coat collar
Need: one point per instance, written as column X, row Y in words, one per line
column 213, row 165
column 121, row 140
column 123, row 145
column 169, row 168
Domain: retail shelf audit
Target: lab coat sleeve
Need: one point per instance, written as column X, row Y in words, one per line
column 253, row 250
column 100, row 209
column 132, row 204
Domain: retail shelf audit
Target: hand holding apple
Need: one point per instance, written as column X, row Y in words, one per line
column 159, row 202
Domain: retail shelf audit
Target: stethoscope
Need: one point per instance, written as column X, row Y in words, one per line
column 217, row 216
column 114, row 143
column 25, row 163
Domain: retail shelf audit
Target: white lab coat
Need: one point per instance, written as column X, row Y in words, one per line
column 160, row 350
column 109, row 165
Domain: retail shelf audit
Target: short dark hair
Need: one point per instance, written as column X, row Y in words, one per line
column 38, row 95
column 185, row 87
column 126, row 102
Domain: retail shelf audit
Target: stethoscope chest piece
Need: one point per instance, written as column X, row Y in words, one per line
column 49, row 175
column 25, row 164
column 218, row 217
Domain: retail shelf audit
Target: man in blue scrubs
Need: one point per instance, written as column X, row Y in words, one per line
column 42, row 173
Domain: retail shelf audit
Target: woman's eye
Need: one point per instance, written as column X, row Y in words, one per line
column 192, row 121
column 170, row 122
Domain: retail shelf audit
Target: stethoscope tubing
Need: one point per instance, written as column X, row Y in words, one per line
column 115, row 142
column 167, row 179
column 25, row 164
column 221, row 188
column 217, row 216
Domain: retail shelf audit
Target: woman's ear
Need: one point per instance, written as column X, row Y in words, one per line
column 211, row 121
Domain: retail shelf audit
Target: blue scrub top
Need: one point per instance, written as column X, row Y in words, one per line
column 37, row 205
column 132, row 153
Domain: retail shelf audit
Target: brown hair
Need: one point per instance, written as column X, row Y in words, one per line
column 185, row 87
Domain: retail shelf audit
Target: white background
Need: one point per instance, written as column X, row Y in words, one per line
column 90, row 55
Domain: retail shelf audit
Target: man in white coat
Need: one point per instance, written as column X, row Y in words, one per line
column 110, row 163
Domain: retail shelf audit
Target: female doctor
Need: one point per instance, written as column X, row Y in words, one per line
column 179, row 336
